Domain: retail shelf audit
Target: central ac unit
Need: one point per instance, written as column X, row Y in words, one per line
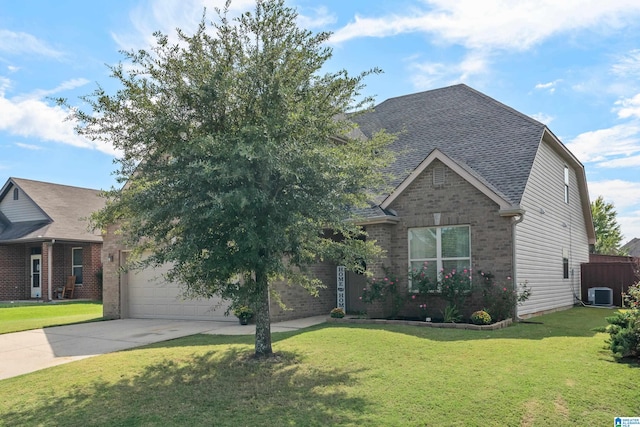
column 601, row 296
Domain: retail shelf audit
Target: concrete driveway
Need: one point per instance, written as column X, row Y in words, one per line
column 29, row 351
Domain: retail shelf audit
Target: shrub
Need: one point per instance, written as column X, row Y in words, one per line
column 451, row 314
column 455, row 287
column 480, row 317
column 500, row 299
column 631, row 298
column 243, row 312
column 383, row 290
column 624, row 331
column 624, row 327
column 337, row 313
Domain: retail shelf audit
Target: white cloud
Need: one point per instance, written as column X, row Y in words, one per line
column 628, row 64
column 629, row 107
column 28, row 146
column 42, row 93
column 19, row 43
column 320, row 18
column 542, row 118
column 495, row 24
column 427, row 75
column 31, row 117
column 625, row 196
column 167, row 15
column 622, row 162
column 604, row 144
column 549, row 86
column 630, row 225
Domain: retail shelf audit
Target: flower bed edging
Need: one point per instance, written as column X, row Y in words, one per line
column 492, row 327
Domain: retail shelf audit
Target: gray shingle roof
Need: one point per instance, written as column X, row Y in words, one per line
column 68, row 207
column 633, row 247
column 492, row 141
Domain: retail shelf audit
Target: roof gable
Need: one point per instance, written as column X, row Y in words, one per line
column 461, row 170
column 491, row 141
column 65, row 210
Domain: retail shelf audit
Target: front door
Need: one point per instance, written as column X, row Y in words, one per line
column 36, row 276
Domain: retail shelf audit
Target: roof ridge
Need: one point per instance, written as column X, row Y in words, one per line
column 51, row 183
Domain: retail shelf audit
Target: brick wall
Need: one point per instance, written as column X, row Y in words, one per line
column 13, row 266
column 458, row 203
column 299, row 303
column 15, row 273
column 111, row 254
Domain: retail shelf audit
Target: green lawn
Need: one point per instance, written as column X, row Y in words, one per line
column 25, row 316
column 552, row 374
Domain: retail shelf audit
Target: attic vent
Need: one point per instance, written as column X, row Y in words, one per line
column 16, row 194
column 438, row 176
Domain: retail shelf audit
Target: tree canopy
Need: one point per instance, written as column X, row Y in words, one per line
column 238, row 157
column 608, row 233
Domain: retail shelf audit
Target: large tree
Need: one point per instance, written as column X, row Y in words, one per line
column 238, row 157
column 608, row 233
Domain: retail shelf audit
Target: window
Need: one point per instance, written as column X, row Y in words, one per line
column 565, row 263
column 16, row 194
column 76, row 264
column 566, row 184
column 442, row 248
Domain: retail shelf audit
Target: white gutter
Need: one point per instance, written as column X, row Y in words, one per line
column 517, row 220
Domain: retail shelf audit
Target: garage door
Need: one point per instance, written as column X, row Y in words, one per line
column 149, row 296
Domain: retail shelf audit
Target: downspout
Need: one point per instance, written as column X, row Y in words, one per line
column 517, row 220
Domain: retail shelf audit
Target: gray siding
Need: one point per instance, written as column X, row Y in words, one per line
column 550, row 225
column 22, row 209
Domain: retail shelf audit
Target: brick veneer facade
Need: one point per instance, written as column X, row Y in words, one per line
column 15, row 277
column 299, row 303
column 458, row 203
column 111, row 253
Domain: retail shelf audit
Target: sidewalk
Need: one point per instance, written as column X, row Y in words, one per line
column 29, row 351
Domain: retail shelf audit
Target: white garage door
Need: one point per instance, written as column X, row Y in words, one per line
column 148, row 295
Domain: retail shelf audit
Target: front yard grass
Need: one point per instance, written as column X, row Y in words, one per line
column 15, row 317
column 556, row 373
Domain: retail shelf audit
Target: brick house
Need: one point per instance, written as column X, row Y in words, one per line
column 474, row 184
column 44, row 239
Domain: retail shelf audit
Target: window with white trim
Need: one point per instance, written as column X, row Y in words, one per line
column 441, row 248
column 566, row 184
column 76, row 264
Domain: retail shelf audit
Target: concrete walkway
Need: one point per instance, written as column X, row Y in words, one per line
column 29, row 351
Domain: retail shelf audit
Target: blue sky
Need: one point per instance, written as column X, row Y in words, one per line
column 574, row 65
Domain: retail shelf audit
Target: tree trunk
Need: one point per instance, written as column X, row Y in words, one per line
column 263, row 317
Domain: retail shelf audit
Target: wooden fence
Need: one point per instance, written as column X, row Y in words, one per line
column 615, row 275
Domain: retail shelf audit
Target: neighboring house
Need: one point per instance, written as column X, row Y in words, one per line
column 474, row 184
column 632, row 247
column 44, row 239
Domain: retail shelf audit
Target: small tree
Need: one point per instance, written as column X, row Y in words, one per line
column 608, row 233
column 238, row 157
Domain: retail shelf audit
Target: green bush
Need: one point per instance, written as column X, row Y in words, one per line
column 624, row 331
column 632, row 296
column 338, row 313
column 385, row 289
column 480, row 317
column 500, row 300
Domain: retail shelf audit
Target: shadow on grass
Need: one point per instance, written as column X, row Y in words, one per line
column 219, row 387
column 575, row 322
